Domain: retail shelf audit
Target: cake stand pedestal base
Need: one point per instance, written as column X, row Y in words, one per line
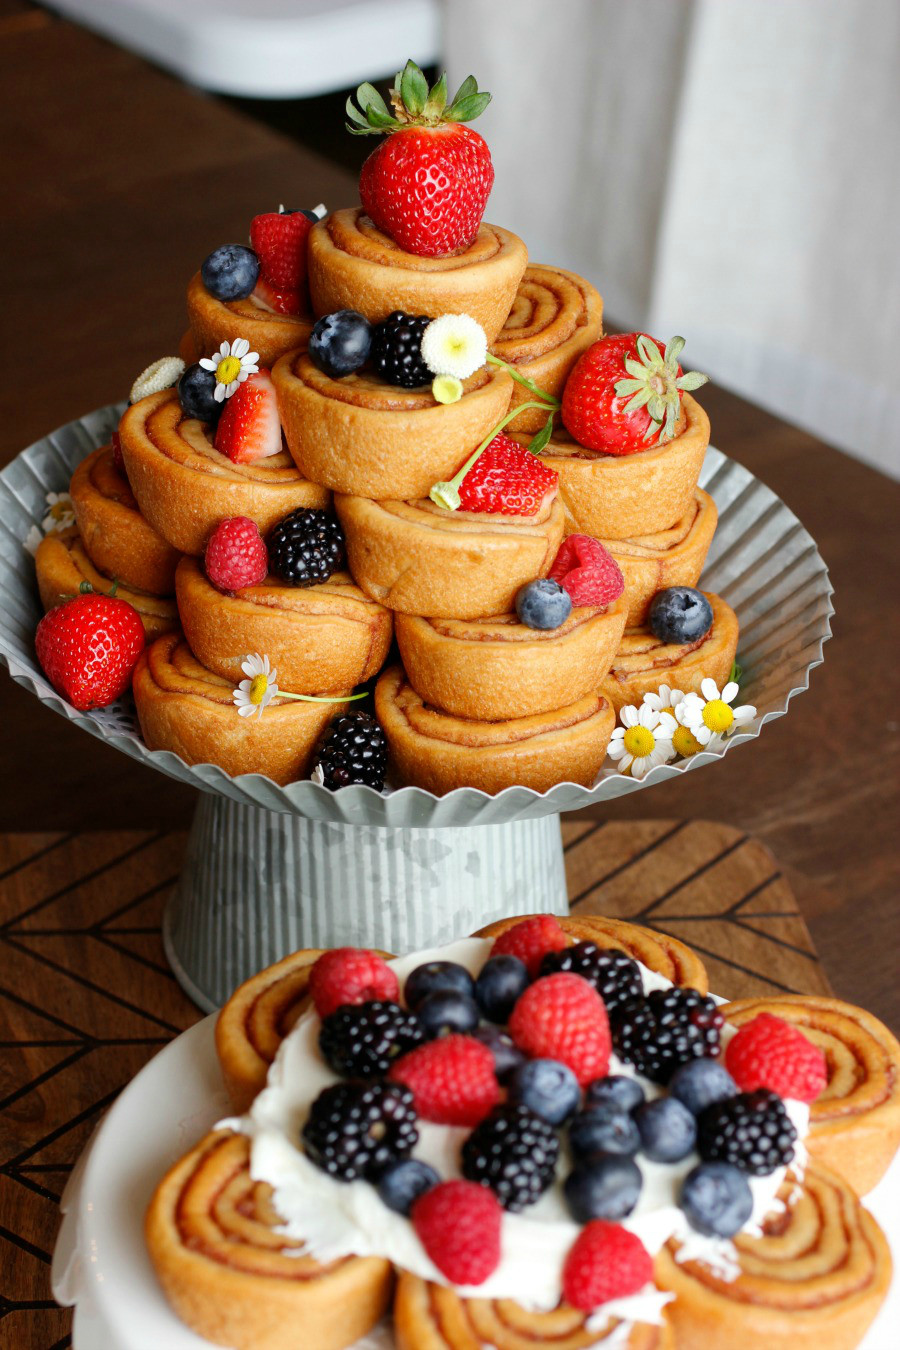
column 258, row 884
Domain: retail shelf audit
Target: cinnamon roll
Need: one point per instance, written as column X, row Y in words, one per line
column 435, row 751
column 213, row 322
column 185, row 708
column 361, row 435
column 233, row 1278
column 855, row 1122
column 493, row 669
column 62, row 564
column 115, row 535
column 321, row 639
column 353, row 265
column 814, row 1280
column 643, row 662
column 185, row 486
column 418, row 558
column 555, row 316
column 672, row 557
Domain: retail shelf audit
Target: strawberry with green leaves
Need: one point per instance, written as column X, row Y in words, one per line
column 89, row 646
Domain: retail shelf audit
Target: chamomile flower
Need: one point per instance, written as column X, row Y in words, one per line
column 160, row 375
column 231, row 365
column 666, row 699
column 710, row 718
column 454, row 344
column 643, row 741
column 254, row 694
column 33, row 540
column 60, row 513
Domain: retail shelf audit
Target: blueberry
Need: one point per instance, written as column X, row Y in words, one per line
column 543, row 604
column 400, row 1183
column 507, row 1055
column 606, row 1187
column 196, row 394
column 700, row 1083
column 624, row 1094
column 446, row 1011
column 716, row 1199
column 679, row 614
column 549, row 1088
column 603, row 1129
column 444, row 977
column 668, row 1130
column 230, row 272
column 500, row 982
column 340, row 342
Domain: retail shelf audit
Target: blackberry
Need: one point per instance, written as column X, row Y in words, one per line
column 306, row 547
column 363, row 1040
column 615, row 976
column 665, row 1029
column 354, row 750
column 752, row 1130
column 514, row 1152
column 396, row 352
column 357, row 1129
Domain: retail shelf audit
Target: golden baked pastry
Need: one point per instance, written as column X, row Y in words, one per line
column 855, row 1122
column 813, row 1281
column 184, row 486
column 672, row 557
column 361, row 435
column 62, row 564
column 419, row 558
column 233, row 1278
column 643, row 662
column 185, row 708
column 492, row 669
column 555, row 316
column 321, row 639
column 353, row 265
column 435, row 751
column 117, row 538
column 215, row 321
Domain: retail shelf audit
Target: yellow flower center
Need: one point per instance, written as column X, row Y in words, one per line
column 59, row 509
column 258, row 686
column 670, row 710
column 685, row 742
column 717, row 715
column 228, row 369
column 639, row 741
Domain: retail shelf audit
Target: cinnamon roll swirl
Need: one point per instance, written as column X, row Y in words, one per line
column 672, row 557
column 62, row 564
column 115, row 535
column 213, row 322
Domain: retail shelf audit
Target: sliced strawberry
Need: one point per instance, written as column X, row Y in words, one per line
column 507, row 479
column 279, row 242
column 587, row 571
column 250, row 427
column 281, row 302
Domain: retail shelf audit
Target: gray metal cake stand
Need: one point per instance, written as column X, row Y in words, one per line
column 271, row 868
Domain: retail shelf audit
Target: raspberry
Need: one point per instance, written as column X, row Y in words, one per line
column 530, row 939
column 350, row 975
column 452, row 1080
column 236, row 555
column 605, row 1261
column 770, row 1053
column 587, row 571
column 562, row 1017
column 458, row 1224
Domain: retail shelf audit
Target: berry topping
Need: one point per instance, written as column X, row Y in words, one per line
column 603, row 1129
column 307, row 547
column 230, row 272
column 279, row 238
column 340, row 343
column 458, row 1224
column 397, row 349
column 624, row 394
column 668, row 1130
column 356, row 1129
column 587, row 571
column 769, row 1052
column 543, row 604
column 604, row 1186
column 236, row 555
column 663, row 1030
column 546, row 1087
column 500, row 982
column 428, row 183
column 507, row 479
column 437, row 977
column 363, row 1040
column 700, row 1082
column 752, row 1130
column 614, row 975
column 401, row 1183
column 507, row 1055
column 606, row 1261
column 680, row 614
column 452, row 1080
column 279, row 300
column 354, row 751
column 350, row 975
column 530, row 939
column 446, row 1011
column 88, row 648
column 716, row 1199
column 617, row 1091
column 562, row 1017
column 514, row 1152
column 250, row 428
column 197, row 394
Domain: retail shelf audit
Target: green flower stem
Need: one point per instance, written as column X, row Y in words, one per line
column 321, row 698
column 447, row 494
column 549, row 400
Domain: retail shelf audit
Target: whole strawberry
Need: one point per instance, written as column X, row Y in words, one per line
column 428, row 183
column 507, row 479
column 624, row 394
column 88, row 648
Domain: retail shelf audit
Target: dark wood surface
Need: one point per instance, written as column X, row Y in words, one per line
column 118, row 181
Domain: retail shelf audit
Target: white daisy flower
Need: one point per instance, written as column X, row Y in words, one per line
column 643, row 741
column 231, row 365
column 666, row 699
column 454, row 344
column 159, row 375
column 318, row 775
column 60, row 514
column 32, row 540
column 710, row 718
column 254, row 694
